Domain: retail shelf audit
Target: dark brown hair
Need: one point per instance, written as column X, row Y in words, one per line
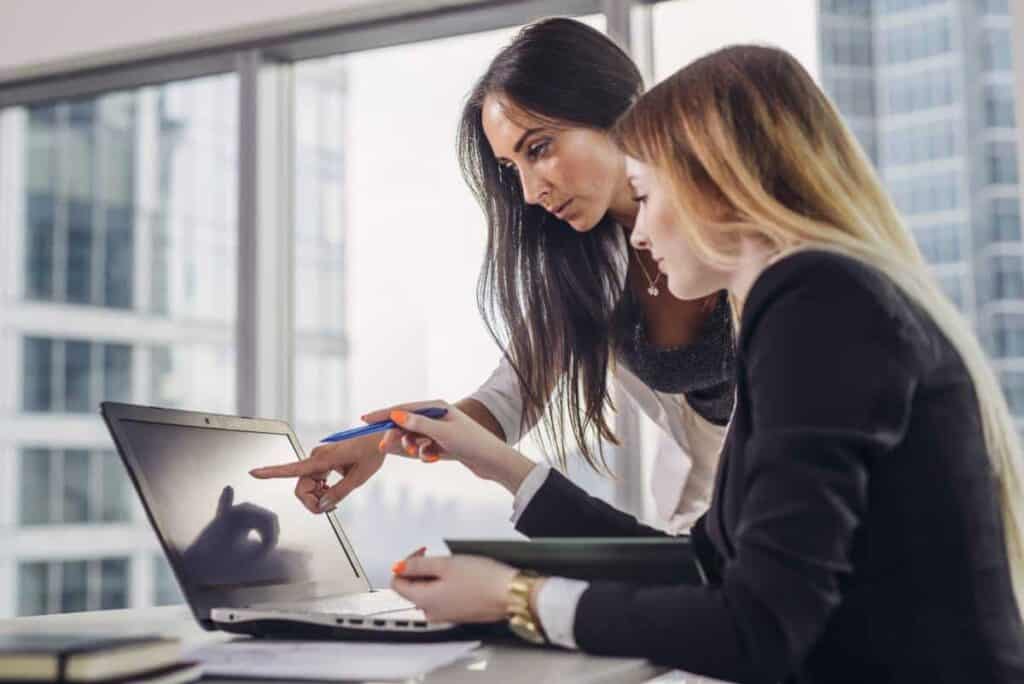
column 546, row 292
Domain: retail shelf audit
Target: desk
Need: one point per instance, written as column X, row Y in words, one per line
column 502, row 662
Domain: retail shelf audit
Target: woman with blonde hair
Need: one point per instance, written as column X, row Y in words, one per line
column 867, row 514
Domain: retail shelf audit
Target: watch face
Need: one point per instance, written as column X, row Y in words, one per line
column 525, row 630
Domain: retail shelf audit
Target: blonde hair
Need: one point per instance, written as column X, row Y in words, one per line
column 752, row 148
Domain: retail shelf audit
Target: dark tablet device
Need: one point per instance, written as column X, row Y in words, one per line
column 627, row 559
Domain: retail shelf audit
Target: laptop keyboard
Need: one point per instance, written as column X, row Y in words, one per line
column 372, row 603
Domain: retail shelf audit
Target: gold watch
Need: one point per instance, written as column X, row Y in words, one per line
column 520, row 619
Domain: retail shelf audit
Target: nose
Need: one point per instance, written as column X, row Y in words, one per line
column 639, row 239
column 534, row 187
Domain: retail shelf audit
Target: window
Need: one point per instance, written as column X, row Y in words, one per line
column 1008, row 335
column 920, row 143
column 940, row 244
column 999, row 107
column 854, row 8
column 996, row 7
column 1013, row 387
column 926, row 90
column 1001, row 162
column 917, row 41
column 91, row 372
column 854, row 96
column 848, row 46
column 896, row 6
column 73, row 585
column 195, row 376
column 165, row 585
column 1004, row 220
column 927, row 193
column 996, row 52
column 72, row 486
column 953, row 286
column 1007, row 277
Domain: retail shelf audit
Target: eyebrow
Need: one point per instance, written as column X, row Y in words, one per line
column 526, row 134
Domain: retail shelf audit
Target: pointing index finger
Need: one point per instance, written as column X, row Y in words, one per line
column 297, row 469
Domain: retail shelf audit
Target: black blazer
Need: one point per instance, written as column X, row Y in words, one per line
column 854, row 533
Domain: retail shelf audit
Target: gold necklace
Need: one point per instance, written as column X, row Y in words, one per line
column 652, row 284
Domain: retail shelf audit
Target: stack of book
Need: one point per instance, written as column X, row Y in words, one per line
column 96, row 659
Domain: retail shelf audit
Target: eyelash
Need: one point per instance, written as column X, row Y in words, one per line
column 537, row 149
column 640, row 199
column 532, row 153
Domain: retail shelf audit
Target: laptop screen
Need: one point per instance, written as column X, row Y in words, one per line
column 233, row 539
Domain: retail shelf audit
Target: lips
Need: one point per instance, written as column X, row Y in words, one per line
column 558, row 210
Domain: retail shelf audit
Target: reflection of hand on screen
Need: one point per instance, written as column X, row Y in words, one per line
column 226, row 552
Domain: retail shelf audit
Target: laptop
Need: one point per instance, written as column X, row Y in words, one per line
column 249, row 558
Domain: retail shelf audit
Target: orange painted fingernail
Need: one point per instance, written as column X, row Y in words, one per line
column 411, row 451
column 431, row 458
column 380, row 447
column 399, row 416
column 398, row 568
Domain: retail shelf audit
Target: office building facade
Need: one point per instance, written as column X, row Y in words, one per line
column 927, row 86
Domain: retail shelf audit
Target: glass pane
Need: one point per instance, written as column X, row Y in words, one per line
column 37, row 389
column 78, row 376
column 118, row 286
column 114, row 583
column 35, row 492
column 74, row 586
column 117, row 372
column 77, row 486
column 115, row 490
column 358, row 185
column 33, row 588
column 39, row 228
column 165, row 585
column 79, row 266
column 125, row 209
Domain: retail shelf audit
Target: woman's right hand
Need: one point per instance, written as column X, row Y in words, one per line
column 356, row 460
column 459, row 437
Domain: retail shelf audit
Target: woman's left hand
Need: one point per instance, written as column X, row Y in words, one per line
column 455, row 588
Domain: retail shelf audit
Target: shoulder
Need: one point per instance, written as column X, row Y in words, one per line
column 816, row 292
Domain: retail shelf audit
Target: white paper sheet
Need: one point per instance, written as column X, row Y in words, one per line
column 326, row 660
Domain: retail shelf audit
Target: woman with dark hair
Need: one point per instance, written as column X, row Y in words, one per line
column 561, row 291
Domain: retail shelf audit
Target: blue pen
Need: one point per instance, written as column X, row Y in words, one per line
column 381, row 426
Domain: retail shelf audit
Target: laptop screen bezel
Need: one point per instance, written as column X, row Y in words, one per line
column 200, row 600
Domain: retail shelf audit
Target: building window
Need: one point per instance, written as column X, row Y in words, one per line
column 848, row 46
column 1013, row 388
column 72, row 486
column 999, row 107
column 917, row 41
column 926, row 90
column 1007, row 336
column 895, row 6
column 1007, row 277
column 37, row 388
column 854, row 96
column 996, row 7
column 927, row 194
column 952, row 285
column 940, row 244
column 1004, row 220
column 920, row 143
column 165, row 584
column 90, row 372
column 1001, row 162
column 996, row 51
column 73, row 585
column 851, row 8
column 74, row 198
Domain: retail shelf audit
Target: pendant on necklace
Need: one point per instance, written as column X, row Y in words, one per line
column 653, row 290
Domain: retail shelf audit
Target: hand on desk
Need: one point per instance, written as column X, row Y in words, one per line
column 455, row 588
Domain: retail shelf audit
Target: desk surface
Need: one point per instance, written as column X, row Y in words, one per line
column 489, row 663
